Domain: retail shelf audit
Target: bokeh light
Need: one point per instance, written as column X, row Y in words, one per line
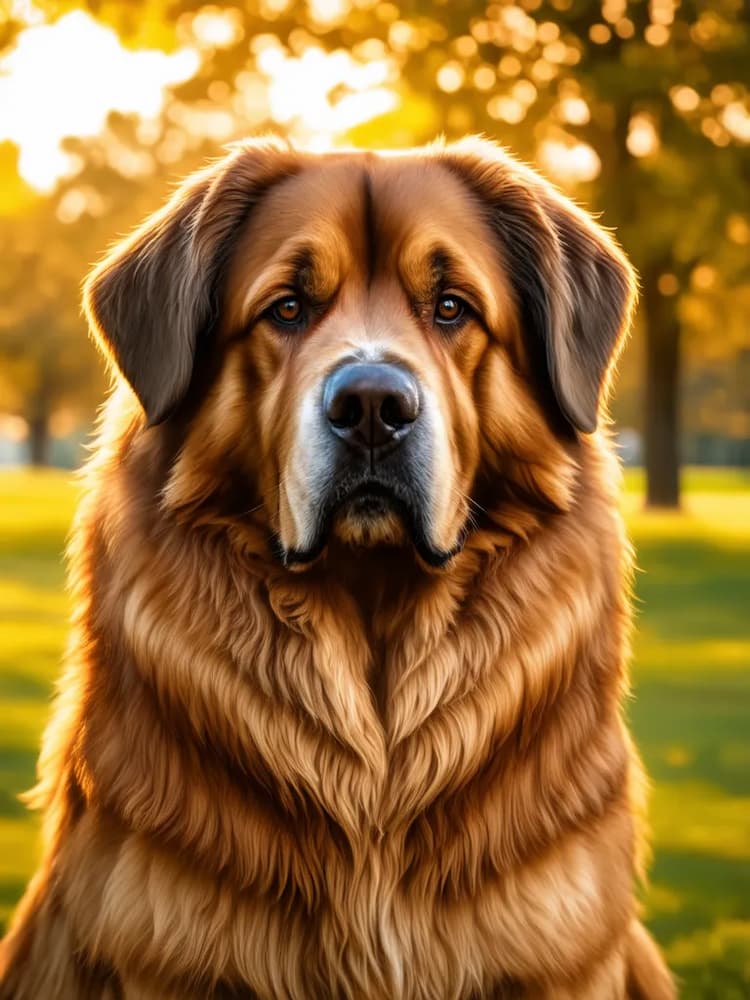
column 93, row 74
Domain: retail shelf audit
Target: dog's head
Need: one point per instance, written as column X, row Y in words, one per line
column 359, row 345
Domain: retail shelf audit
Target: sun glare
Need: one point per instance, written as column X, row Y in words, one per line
column 569, row 163
column 300, row 92
column 63, row 79
column 315, row 96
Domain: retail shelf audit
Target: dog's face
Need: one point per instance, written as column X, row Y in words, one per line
column 365, row 345
column 367, row 291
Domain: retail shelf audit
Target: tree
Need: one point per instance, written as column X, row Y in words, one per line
column 43, row 363
column 657, row 94
column 639, row 109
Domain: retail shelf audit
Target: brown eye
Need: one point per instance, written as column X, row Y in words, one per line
column 449, row 309
column 287, row 311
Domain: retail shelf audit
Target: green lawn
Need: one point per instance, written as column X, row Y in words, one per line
column 690, row 710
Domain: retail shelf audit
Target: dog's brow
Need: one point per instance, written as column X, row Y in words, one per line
column 308, row 267
column 443, row 269
column 302, row 265
column 447, row 267
column 440, row 267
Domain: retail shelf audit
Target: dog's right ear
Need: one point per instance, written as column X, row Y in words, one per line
column 155, row 294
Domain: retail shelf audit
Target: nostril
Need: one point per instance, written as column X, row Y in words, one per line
column 347, row 412
column 391, row 412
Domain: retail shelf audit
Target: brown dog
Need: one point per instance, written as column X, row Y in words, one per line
column 342, row 711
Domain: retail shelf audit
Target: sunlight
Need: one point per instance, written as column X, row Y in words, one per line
column 315, row 96
column 319, row 95
column 93, row 74
column 569, row 163
column 643, row 139
column 212, row 27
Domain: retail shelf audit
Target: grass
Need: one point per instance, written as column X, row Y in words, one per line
column 690, row 711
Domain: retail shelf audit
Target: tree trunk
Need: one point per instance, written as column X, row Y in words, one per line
column 662, row 427
column 39, row 440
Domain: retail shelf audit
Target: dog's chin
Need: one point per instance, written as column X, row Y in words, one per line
column 367, row 518
column 366, row 522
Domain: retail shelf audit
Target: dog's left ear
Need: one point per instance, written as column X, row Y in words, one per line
column 574, row 286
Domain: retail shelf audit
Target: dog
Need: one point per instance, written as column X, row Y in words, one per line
column 341, row 716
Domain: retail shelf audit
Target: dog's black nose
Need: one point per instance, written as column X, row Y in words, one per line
column 371, row 405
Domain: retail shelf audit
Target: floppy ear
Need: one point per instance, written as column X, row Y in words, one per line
column 151, row 299
column 574, row 286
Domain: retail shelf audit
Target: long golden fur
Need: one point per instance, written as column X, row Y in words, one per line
column 385, row 761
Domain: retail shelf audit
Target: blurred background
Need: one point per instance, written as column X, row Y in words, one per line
column 640, row 110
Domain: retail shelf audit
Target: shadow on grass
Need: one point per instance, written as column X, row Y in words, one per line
column 704, row 929
column 17, row 775
column 693, row 588
column 11, row 890
column 15, row 683
column 695, row 727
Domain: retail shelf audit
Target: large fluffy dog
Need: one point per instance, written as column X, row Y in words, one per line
column 342, row 711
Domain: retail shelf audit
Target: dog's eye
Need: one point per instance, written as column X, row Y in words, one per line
column 287, row 311
column 449, row 309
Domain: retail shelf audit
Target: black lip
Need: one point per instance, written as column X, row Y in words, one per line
column 382, row 493
column 374, row 491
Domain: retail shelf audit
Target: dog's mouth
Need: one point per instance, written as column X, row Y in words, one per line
column 366, row 503
column 370, row 501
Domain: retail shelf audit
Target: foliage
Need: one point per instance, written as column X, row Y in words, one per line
column 45, row 362
column 640, row 108
column 690, row 713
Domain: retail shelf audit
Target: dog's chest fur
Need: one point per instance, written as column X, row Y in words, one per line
column 259, row 816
